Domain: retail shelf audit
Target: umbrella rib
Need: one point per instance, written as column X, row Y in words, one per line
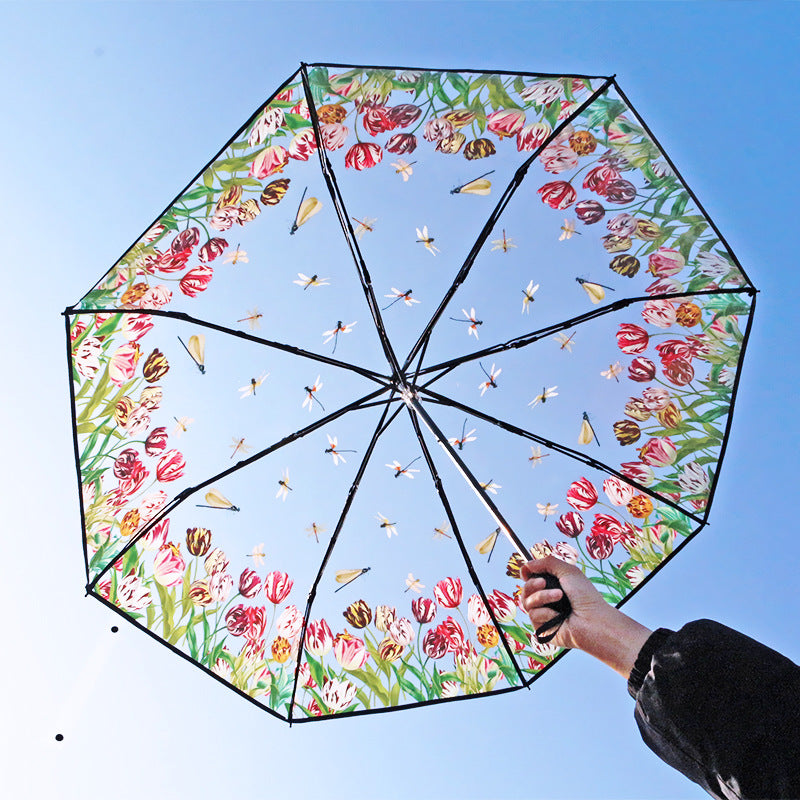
column 439, row 486
column 344, row 219
column 379, row 429
column 542, row 333
column 250, row 337
column 559, row 448
column 188, row 492
column 505, row 198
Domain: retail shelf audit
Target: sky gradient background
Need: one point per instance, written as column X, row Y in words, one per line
column 108, row 110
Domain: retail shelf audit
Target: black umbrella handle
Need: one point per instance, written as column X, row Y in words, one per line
column 563, row 608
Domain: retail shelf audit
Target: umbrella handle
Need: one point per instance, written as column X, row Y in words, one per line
column 562, row 607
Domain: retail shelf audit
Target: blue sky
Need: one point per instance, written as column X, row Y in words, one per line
column 109, row 109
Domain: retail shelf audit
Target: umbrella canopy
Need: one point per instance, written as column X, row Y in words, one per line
column 404, row 328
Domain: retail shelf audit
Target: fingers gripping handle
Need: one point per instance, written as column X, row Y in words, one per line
column 563, row 608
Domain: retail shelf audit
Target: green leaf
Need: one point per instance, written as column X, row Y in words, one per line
column 459, row 84
column 551, row 113
column 408, row 687
column 295, row 122
column 498, row 96
column 679, row 205
column 316, row 670
column 436, row 85
column 371, row 680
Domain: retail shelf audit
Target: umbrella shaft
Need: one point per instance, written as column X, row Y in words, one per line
column 412, row 401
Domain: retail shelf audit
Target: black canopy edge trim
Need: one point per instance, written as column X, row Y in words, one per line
column 558, row 448
column 543, row 333
column 177, row 651
column 495, row 215
column 250, row 337
column 662, row 564
column 76, row 448
column 734, row 395
column 448, row 510
column 349, row 235
column 351, row 493
column 680, row 177
column 191, row 183
column 245, row 462
column 458, row 69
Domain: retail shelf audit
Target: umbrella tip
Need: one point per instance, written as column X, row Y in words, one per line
column 59, row 737
column 114, row 629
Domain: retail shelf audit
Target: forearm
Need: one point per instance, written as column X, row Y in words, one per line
column 613, row 638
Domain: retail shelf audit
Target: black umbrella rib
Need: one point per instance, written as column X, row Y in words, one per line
column 542, row 333
column 338, row 203
column 448, row 510
column 505, row 198
column 250, row 337
column 550, row 445
column 379, row 429
column 188, row 492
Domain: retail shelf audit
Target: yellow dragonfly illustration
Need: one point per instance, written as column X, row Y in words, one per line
column 196, row 348
column 477, row 185
column 425, row 238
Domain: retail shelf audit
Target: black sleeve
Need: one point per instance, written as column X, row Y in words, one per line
column 721, row 708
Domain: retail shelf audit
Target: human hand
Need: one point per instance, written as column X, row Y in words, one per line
column 588, row 605
column 593, row 626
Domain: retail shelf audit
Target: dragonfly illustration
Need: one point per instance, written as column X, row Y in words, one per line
column 568, row 230
column 236, row 256
column 389, row 527
column 491, row 378
column 414, row 584
column 536, row 455
column 587, row 432
column 345, row 576
column 250, row 388
column 252, row 319
column 477, row 185
column 529, row 291
column 613, row 371
column 465, row 437
column 487, row 545
column 257, row 554
column 398, row 295
column 332, row 448
column 215, row 499
column 239, row 446
column 503, row 244
column 399, row 469
column 544, row 396
column 428, row 240
column 565, row 341
column 334, row 332
column 363, row 226
column 196, row 350
column 314, row 280
column 441, row 531
column 283, row 486
column 546, row 509
column 490, row 486
column 307, row 208
column 181, row 425
column 311, row 395
column 315, row 530
column 472, row 319
column 403, row 168
column 596, row 291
